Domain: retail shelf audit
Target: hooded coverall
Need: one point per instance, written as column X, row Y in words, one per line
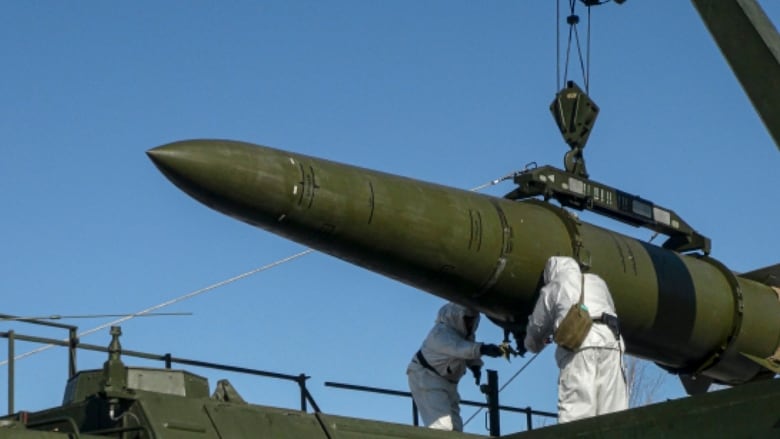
column 592, row 380
column 448, row 349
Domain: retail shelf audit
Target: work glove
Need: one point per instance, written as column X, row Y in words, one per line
column 507, row 351
column 490, row 350
column 477, row 372
column 519, row 342
column 521, row 350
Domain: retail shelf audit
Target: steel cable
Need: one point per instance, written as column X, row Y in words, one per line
column 205, row 289
column 504, row 386
column 169, row 302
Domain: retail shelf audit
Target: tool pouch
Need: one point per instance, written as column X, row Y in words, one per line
column 575, row 325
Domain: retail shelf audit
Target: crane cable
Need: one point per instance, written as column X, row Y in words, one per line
column 494, row 182
column 505, row 384
column 169, row 302
column 572, row 20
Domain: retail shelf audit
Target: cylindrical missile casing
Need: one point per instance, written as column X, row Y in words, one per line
column 687, row 313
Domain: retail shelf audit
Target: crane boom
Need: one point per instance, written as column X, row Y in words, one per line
column 751, row 45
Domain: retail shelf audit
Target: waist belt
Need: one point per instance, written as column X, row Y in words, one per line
column 611, row 321
column 424, row 363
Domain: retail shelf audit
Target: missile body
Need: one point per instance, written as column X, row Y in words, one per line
column 689, row 314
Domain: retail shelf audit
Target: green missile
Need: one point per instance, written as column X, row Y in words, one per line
column 688, row 313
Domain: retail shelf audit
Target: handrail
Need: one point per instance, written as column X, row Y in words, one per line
column 167, row 359
column 528, row 411
column 300, row 379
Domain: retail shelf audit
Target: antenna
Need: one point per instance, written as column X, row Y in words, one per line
column 6, row 317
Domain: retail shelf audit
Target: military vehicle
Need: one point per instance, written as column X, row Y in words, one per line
column 679, row 306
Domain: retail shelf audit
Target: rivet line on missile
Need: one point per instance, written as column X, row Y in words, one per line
column 169, row 302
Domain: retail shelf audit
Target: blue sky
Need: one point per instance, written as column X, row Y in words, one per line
column 453, row 92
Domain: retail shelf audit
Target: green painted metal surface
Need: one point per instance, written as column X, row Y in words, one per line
column 689, row 313
column 751, row 45
column 749, row 411
column 686, row 312
column 148, row 414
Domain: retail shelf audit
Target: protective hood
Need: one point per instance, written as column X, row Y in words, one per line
column 452, row 315
column 448, row 348
column 559, row 265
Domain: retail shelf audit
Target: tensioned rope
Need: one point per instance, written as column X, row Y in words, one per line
column 169, row 302
column 505, row 384
column 242, row 276
column 206, row 289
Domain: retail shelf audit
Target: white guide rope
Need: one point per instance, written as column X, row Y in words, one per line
column 504, row 386
column 170, row 302
column 206, row 289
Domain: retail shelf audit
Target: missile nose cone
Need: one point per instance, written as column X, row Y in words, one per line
column 185, row 160
column 244, row 181
column 187, row 164
column 164, row 157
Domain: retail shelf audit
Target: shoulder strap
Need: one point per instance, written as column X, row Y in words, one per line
column 582, row 288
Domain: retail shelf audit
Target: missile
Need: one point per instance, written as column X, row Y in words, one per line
column 687, row 312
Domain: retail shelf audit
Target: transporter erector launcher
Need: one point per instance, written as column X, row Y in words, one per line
column 687, row 312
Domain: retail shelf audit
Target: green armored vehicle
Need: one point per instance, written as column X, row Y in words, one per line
column 128, row 402
column 679, row 306
column 140, row 403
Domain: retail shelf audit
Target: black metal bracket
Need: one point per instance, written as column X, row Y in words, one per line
column 578, row 192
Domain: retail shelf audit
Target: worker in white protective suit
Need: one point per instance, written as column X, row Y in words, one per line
column 441, row 362
column 592, row 380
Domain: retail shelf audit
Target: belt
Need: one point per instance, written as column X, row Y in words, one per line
column 424, row 363
column 611, row 321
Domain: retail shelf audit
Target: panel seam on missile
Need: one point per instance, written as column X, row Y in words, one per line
column 314, row 186
column 302, row 182
column 370, row 201
column 632, row 258
column 471, row 228
column 620, row 243
column 620, row 251
column 714, row 358
column 505, row 248
column 475, row 219
column 570, row 222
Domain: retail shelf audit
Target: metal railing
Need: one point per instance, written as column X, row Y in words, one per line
column 492, row 405
column 73, row 344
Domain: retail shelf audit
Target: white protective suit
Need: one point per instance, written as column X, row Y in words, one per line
column 592, row 380
column 449, row 349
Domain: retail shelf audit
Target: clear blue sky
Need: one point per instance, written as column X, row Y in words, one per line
column 454, row 92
